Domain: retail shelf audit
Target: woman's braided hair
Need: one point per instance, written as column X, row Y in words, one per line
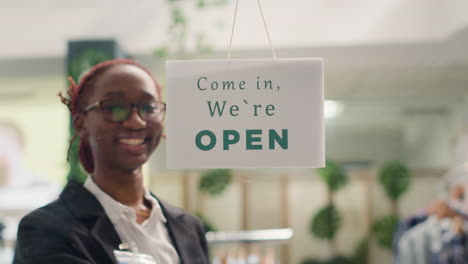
column 75, row 100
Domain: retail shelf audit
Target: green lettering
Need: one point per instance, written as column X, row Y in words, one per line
column 269, row 108
column 282, row 141
column 198, row 83
column 230, row 137
column 209, row 146
column 234, row 110
column 267, row 83
column 228, row 84
column 217, row 108
column 214, row 85
column 255, row 109
column 242, row 85
column 251, row 138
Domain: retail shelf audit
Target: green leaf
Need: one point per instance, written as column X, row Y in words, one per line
column 162, row 52
column 395, row 178
column 325, row 223
column 333, row 260
column 339, row 260
column 214, row 182
column 86, row 61
column 76, row 171
column 209, row 227
column 178, row 16
column 312, row 261
column 201, row 3
column 383, row 230
column 360, row 252
column 333, row 175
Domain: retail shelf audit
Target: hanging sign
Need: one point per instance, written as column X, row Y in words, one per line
column 245, row 113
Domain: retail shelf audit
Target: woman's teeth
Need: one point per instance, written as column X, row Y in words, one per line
column 131, row 141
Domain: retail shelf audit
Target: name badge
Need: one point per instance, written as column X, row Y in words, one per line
column 126, row 257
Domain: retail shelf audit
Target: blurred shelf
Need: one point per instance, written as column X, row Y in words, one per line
column 251, row 236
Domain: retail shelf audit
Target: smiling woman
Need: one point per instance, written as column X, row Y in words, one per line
column 117, row 91
column 118, row 115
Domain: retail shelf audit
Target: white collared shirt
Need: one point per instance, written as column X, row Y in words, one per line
column 151, row 237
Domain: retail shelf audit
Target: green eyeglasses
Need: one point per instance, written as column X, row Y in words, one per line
column 119, row 111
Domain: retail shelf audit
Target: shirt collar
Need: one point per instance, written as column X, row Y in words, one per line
column 155, row 206
column 115, row 210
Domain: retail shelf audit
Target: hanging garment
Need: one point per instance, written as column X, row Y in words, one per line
column 432, row 242
column 403, row 227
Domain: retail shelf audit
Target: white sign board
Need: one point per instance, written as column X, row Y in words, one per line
column 245, row 113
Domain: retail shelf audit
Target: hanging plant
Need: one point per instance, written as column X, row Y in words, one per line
column 326, row 223
column 359, row 256
column 214, row 182
column 395, row 179
column 179, row 34
column 333, row 175
column 383, row 230
column 360, row 253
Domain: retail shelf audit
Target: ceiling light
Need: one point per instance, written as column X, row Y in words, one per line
column 332, row 108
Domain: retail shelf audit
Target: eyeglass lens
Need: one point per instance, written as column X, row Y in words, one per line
column 119, row 111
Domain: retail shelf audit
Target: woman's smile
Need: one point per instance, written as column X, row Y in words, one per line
column 134, row 145
column 131, row 141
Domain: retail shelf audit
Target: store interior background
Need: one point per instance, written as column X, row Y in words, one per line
column 396, row 86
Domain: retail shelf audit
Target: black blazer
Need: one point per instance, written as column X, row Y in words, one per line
column 75, row 230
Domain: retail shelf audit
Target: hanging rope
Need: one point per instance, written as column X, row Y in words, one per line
column 264, row 23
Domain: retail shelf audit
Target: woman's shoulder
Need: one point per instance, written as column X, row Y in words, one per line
column 56, row 232
column 51, row 216
column 74, row 203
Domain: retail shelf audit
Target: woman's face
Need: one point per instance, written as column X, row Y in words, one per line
column 124, row 145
